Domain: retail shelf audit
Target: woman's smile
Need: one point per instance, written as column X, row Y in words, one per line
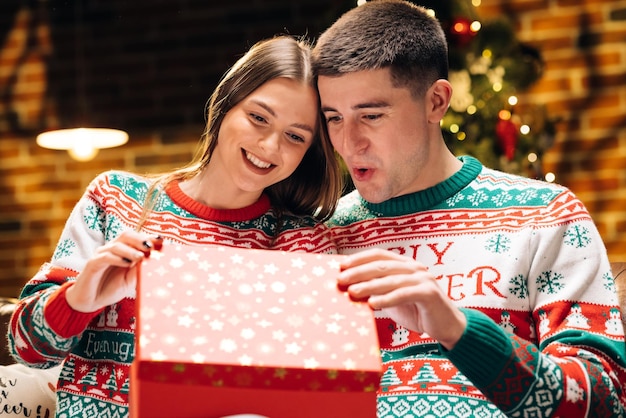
column 256, row 161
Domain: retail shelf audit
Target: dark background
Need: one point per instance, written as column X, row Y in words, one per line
column 148, row 64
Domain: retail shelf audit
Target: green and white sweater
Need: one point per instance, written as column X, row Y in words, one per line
column 525, row 263
column 97, row 349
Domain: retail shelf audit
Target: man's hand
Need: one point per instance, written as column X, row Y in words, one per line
column 406, row 290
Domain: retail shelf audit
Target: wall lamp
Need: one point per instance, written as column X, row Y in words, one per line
column 82, row 143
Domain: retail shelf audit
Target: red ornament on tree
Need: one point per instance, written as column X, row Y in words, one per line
column 461, row 32
column 506, row 131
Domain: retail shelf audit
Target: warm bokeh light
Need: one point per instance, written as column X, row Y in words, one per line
column 504, row 114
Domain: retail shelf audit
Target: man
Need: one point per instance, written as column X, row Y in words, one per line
column 493, row 293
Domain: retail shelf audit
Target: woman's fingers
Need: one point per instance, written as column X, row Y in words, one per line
column 130, row 249
column 109, row 274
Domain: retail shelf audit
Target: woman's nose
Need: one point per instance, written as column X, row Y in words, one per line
column 271, row 142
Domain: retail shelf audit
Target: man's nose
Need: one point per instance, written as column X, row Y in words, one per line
column 352, row 140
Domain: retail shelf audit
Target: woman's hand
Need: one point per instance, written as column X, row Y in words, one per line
column 111, row 274
column 406, row 290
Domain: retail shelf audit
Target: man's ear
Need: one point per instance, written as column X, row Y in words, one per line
column 438, row 100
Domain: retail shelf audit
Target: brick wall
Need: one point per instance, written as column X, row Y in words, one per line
column 583, row 43
column 149, row 66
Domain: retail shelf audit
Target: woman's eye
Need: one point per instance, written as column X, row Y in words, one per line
column 258, row 118
column 295, row 138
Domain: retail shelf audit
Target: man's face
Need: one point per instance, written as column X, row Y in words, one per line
column 380, row 131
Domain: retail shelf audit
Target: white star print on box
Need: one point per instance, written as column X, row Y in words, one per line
column 231, row 307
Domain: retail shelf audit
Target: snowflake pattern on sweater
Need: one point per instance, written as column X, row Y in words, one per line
column 525, row 263
column 97, row 348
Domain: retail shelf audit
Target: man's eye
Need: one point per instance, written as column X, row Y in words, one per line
column 372, row 117
column 330, row 119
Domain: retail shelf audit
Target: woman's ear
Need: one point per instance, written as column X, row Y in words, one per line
column 438, row 100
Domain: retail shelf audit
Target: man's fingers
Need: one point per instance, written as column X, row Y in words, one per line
column 392, row 289
column 371, row 255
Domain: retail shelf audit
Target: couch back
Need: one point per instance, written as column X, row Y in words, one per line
column 8, row 304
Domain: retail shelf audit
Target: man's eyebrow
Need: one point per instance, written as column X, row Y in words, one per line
column 303, row 126
column 366, row 105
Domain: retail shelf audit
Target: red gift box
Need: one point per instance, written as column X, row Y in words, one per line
column 223, row 331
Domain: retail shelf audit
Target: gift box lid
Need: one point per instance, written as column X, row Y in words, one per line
column 217, row 306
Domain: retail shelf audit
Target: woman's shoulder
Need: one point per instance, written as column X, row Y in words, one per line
column 291, row 221
column 122, row 177
column 122, row 180
column 303, row 233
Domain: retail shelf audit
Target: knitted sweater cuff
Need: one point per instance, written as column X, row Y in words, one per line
column 483, row 350
column 62, row 318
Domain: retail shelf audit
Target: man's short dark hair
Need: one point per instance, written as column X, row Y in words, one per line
column 392, row 34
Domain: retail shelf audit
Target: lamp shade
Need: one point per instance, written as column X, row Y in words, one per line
column 82, row 143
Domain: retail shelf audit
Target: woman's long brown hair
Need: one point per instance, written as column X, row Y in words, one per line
column 316, row 184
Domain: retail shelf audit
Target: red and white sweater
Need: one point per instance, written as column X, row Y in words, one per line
column 526, row 264
column 97, row 349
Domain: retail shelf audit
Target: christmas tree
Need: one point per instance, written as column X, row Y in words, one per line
column 425, row 374
column 488, row 68
column 389, row 378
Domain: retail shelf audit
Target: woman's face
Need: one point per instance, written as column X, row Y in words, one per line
column 265, row 136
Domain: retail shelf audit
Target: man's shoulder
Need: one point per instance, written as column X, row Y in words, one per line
column 350, row 209
column 495, row 182
column 493, row 175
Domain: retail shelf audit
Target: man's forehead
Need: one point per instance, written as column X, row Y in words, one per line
column 358, row 90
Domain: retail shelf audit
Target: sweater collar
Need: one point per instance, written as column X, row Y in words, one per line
column 430, row 197
column 203, row 211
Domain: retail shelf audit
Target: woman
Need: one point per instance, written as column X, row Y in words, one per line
column 264, row 176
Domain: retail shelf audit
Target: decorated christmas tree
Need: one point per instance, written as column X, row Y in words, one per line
column 489, row 67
